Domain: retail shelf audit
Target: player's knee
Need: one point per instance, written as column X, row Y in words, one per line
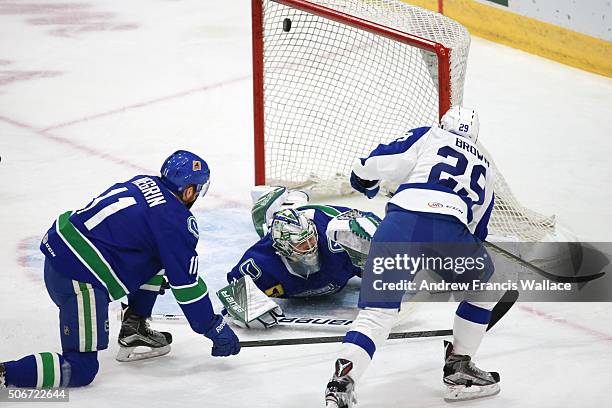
column 375, row 323
column 83, row 368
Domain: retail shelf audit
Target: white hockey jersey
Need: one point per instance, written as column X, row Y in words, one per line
column 438, row 172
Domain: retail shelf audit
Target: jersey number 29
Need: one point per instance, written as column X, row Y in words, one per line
column 459, row 173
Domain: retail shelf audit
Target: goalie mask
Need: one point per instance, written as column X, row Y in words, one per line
column 294, row 237
column 462, row 122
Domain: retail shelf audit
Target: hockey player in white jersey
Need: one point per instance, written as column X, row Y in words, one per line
column 445, row 195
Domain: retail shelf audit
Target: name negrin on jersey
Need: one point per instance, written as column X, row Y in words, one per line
column 463, row 144
column 150, row 190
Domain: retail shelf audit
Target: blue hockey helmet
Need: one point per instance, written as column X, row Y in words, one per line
column 182, row 169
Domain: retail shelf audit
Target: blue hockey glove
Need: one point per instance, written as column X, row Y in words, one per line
column 368, row 187
column 225, row 341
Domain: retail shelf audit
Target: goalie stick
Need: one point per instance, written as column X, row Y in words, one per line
column 287, row 321
column 501, row 308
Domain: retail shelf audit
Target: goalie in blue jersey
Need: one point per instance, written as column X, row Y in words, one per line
column 305, row 250
column 122, row 243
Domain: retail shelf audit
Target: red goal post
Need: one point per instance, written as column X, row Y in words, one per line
column 440, row 50
column 322, row 9
column 334, row 78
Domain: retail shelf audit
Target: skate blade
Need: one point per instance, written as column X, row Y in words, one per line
column 129, row 354
column 462, row 393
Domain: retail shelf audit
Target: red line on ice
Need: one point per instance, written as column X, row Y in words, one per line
column 565, row 322
column 22, row 247
column 89, row 150
column 147, row 103
column 8, row 77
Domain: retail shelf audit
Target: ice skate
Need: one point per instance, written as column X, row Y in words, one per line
column 465, row 381
column 340, row 391
column 135, row 332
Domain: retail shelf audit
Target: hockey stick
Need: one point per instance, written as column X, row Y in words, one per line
column 539, row 271
column 287, row 321
column 338, row 339
column 501, row 308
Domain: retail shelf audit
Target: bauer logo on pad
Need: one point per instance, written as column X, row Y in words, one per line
column 197, row 165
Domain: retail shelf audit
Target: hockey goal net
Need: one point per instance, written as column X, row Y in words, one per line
column 334, row 78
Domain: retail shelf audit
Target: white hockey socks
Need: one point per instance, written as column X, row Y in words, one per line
column 470, row 325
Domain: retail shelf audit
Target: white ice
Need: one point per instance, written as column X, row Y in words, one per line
column 93, row 93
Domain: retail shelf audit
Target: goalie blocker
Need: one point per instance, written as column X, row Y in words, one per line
column 246, row 306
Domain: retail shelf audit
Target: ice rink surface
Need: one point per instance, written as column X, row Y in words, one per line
column 93, row 93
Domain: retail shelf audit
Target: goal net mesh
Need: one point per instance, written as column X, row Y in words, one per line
column 333, row 92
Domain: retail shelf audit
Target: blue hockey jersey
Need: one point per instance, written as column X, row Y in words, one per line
column 272, row 276
column 126, row 238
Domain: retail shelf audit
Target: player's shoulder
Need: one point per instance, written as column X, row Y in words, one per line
column 406, row 142
column 157, row 197
column 420, row 131
column 165, row 211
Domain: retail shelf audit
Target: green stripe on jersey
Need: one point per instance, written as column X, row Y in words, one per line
column 331, row 211
column 157, row 280
column 48, row 367
column 190, row 293
column 89, row 256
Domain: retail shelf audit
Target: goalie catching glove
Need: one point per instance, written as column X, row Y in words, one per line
column 353, row 231
column 246, row 306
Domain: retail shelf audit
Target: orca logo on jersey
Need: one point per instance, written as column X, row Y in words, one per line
column 192, row 226
column 433, row 204
column 249, row 267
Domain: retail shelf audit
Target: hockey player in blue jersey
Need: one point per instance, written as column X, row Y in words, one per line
column 445, row 195
column 121, row 244
column 304, row 251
